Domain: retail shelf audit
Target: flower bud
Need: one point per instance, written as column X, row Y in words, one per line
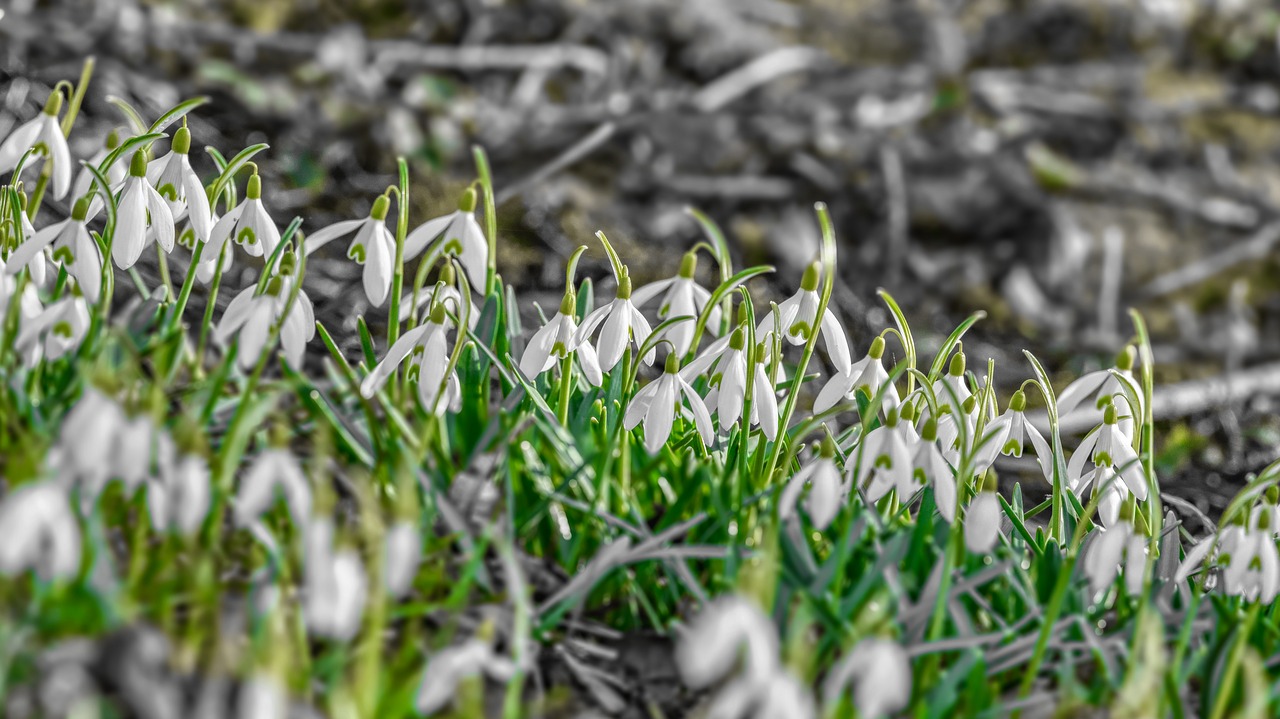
column 1018, row 402
column 254, row 190
column 138, row 165
column 182, row 141
column 957, row 364
column 689, row 264
column 1125, row 360
column 467, row 203
column 380, row 208
column 53, row 105
column 569, row 305
column 812, row 275
column 81, row 208
column 877, row 348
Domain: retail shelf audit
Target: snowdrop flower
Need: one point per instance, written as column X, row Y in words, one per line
column 427, row 348
column 44, row 135
column 40, row 532
column 179, row 499
column 262, row 697
column 884, row 461
column 1115, row 547
column 1088, row 396
column 131, row 462
column 681, row 296
column 623, row 324
column 251, row 317
column 929, row 467
column 372, row 246
column 88, row 435
column 728, row 629
column 445, row 291
column 982, row 520
column 73, row 248
column 867, row 374
column 657, row 403
column 1006, row 436
column 879, row 674
column 403, row 554
column 335, row 585
column 33, row 259
column 778, row 696
column 798, row 318
column 57, row 331
column 1114, row 466
column 556, row 340
column 274, row 473
column 141, row 209
column 954, row 407
column 1252, row 563
column 824, row 500
column 473, row 658
column 461, row 235
column 181, row 188
column 247, row 224
column 728, row 384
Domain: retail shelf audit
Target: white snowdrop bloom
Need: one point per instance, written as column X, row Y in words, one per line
column 622, row 325
column 729, row 629
column 1007, row 435
column 445, row 291
column 247, row 224
column 1115, row 548
column 181, row 188
column 25, row 255
column 449, row 667
column 262, row 697
column 798, row 320
column 556, row 340
column 251, row 316
column 403, row 555
column 40, row 532
column 57, row 331
column 372, row 246
column 84, row 182
column 1086, row 398
column 728, row 383
column 73, row 248
column 208, row 265
column 1112, row 464
column 764, row 397
column 131, row 460
column 89, row 433
column 878, row 672
column 427, row 348
column 44, row 135
column 335, row 584
column 825, row 494
column 681, row 296
column 778, row 696
column 929, row 467
column 274, row 473
column 657, row 403
column 461, row 235
column 1252, row 563
column 764, row 403
column 141, row 209
column 30, row 311
column 867, row 374
column 883, row 462
column 982, row 520
column 179, row 499
column 956, row 410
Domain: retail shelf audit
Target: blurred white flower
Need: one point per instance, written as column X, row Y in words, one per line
column 89, row 433
column 461, row 235
column 40, row 532
column 982, row 520
column 623, row 325
column 798, row 320
column 929, row 467
column 141, row 209
column 57, row 331
column 43, row 134
column 824, row 499
column 883, row 462
column 274, row 473
column 728, row 629
column 1114, row 548
column 879, row 674
column 657, row 403
column 179, row 499
column 262, row 697
column 1252, row 563
column 556, row 340
column 451, row 666
column 403, row 554
column 336, row 585
column 681, row 296
column 373, row 246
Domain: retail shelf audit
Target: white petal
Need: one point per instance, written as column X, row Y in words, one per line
column 395, row 355
column 131, row 225
column 418, row 240
column 18, row 142
column 323, row 237
column 701, row 417
column 982, row 523
column 161, row 218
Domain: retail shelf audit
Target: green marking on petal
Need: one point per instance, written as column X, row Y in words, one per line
column 559, row 350
column 1102, row 459
column 1013, row 447
column 64, row 255
column 246, row 236
column 187, row 238
column 884, row 461
column 357, row 253
column 168, row 192
column 453, row 247
column 41, row 149
column 62, row 329
column 801, row 330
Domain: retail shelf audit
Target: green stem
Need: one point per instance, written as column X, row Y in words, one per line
column 566, row 388
column 490, row 217
column 1223, row 699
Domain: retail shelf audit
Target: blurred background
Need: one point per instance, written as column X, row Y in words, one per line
column 1051, row 162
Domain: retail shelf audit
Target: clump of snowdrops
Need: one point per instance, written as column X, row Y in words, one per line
column 816, row 518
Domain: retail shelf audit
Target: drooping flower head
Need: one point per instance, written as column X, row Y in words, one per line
column 142, row 212
column 879, row 674
column 427, row 349
column 556, row 340
column 798, row 319
column 461, row 235
column 982, row 520
column 180, row 187
column 681, row 296
column 867, row 374
column 1107, row 461
column 658, row 402
column 621, row 323
column 247, row 224
column 252, row 316
column 43, row 135
column 73, row 248
column 373, row 246
column 823, row 477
